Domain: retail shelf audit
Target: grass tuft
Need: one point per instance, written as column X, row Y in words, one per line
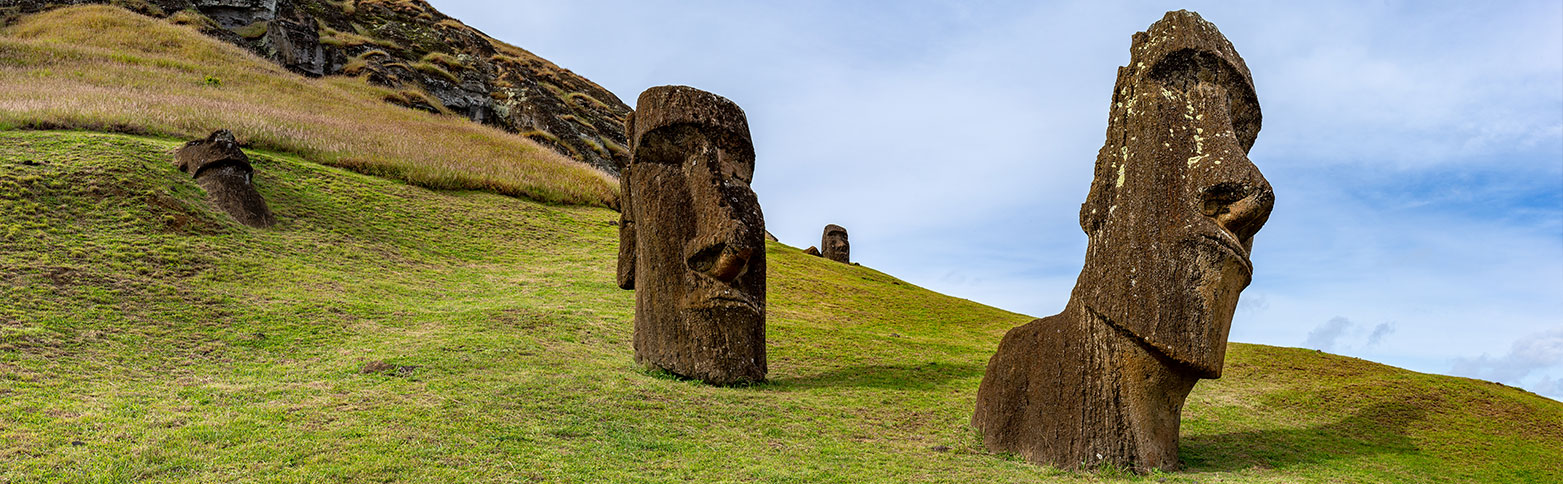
column 433, row 69
column 254, row 30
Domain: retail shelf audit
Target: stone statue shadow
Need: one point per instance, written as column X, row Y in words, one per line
column 1377, row 429
column 896, row 376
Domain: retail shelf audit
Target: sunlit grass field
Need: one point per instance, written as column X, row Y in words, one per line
column 103, row 68
column 385, row 332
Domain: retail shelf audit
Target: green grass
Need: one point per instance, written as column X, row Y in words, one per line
column 145, row 337
column 434, row 69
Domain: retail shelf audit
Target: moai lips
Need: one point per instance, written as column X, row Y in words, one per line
column 222, row 169
column 692, row 238
column 1171, row 217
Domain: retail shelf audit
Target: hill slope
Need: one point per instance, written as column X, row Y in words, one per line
column 107, row 69
column 409, row 47
column 389, row 333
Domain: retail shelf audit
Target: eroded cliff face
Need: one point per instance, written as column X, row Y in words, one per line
column 434, row 62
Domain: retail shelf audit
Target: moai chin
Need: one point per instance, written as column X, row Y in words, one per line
column 222, row 169
column 692, row 238
column 1171, row 218
column 834, row 242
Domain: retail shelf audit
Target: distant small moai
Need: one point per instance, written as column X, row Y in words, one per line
column 834, row 244
column 692, row 238
column 1171, row 218
column 222, row 169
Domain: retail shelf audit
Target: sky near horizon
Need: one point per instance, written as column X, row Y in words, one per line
column 1415, row 147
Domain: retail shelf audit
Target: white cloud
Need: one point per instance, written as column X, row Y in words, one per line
column 1383, row 330
column 1528, row 355
column 1326, row 335
column 1341, row 334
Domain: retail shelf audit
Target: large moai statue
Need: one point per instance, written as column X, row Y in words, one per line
column 1171, row 217
column 692, row 238
column 222, row 169
column 834, row 244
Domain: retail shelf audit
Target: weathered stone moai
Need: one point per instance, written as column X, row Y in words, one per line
column 692, row 238
column 1171, row 217
column 812, row 250
column 222, row 169
column 834, row 244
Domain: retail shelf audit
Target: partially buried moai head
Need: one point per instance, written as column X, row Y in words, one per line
column 699, row 247
column 1175, row 202
column 223, row 170
column 834, row 242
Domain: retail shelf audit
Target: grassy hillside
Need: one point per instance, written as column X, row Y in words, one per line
column 384, row 332
column 106, row 69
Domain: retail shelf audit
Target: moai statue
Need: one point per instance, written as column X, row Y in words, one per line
column 1171, row 217
column 222, row 169
column 834, row 242
column 692, row 238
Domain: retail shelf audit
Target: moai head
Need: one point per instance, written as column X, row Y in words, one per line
column 218, row 149
column 835, row 245
column 1175, row 202
column 698, row 258
column 222, row 169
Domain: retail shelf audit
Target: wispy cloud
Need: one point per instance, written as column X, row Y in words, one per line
column 1380, row 332
column 1528, row 355
column 1340, row 333
column 1326, row 335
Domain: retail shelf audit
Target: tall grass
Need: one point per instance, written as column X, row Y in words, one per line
column 103, row 68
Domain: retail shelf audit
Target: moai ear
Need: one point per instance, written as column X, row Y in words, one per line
column 629, row 132
column 626, row 269
column 1093, row 213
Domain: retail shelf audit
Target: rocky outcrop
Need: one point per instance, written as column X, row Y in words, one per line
column 692, row 238
column 223, row 170
column 433, row 62
column 1171, row 218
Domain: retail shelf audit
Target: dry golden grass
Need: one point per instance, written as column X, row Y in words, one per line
column 106, row 69
column 446, row 60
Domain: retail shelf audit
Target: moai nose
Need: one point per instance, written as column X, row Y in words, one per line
column 721, row 261
column 1239, row 208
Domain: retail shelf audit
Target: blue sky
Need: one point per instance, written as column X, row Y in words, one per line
column 1416, row 149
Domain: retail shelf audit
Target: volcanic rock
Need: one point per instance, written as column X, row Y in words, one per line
column 1171, row 218
column 692, row 238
